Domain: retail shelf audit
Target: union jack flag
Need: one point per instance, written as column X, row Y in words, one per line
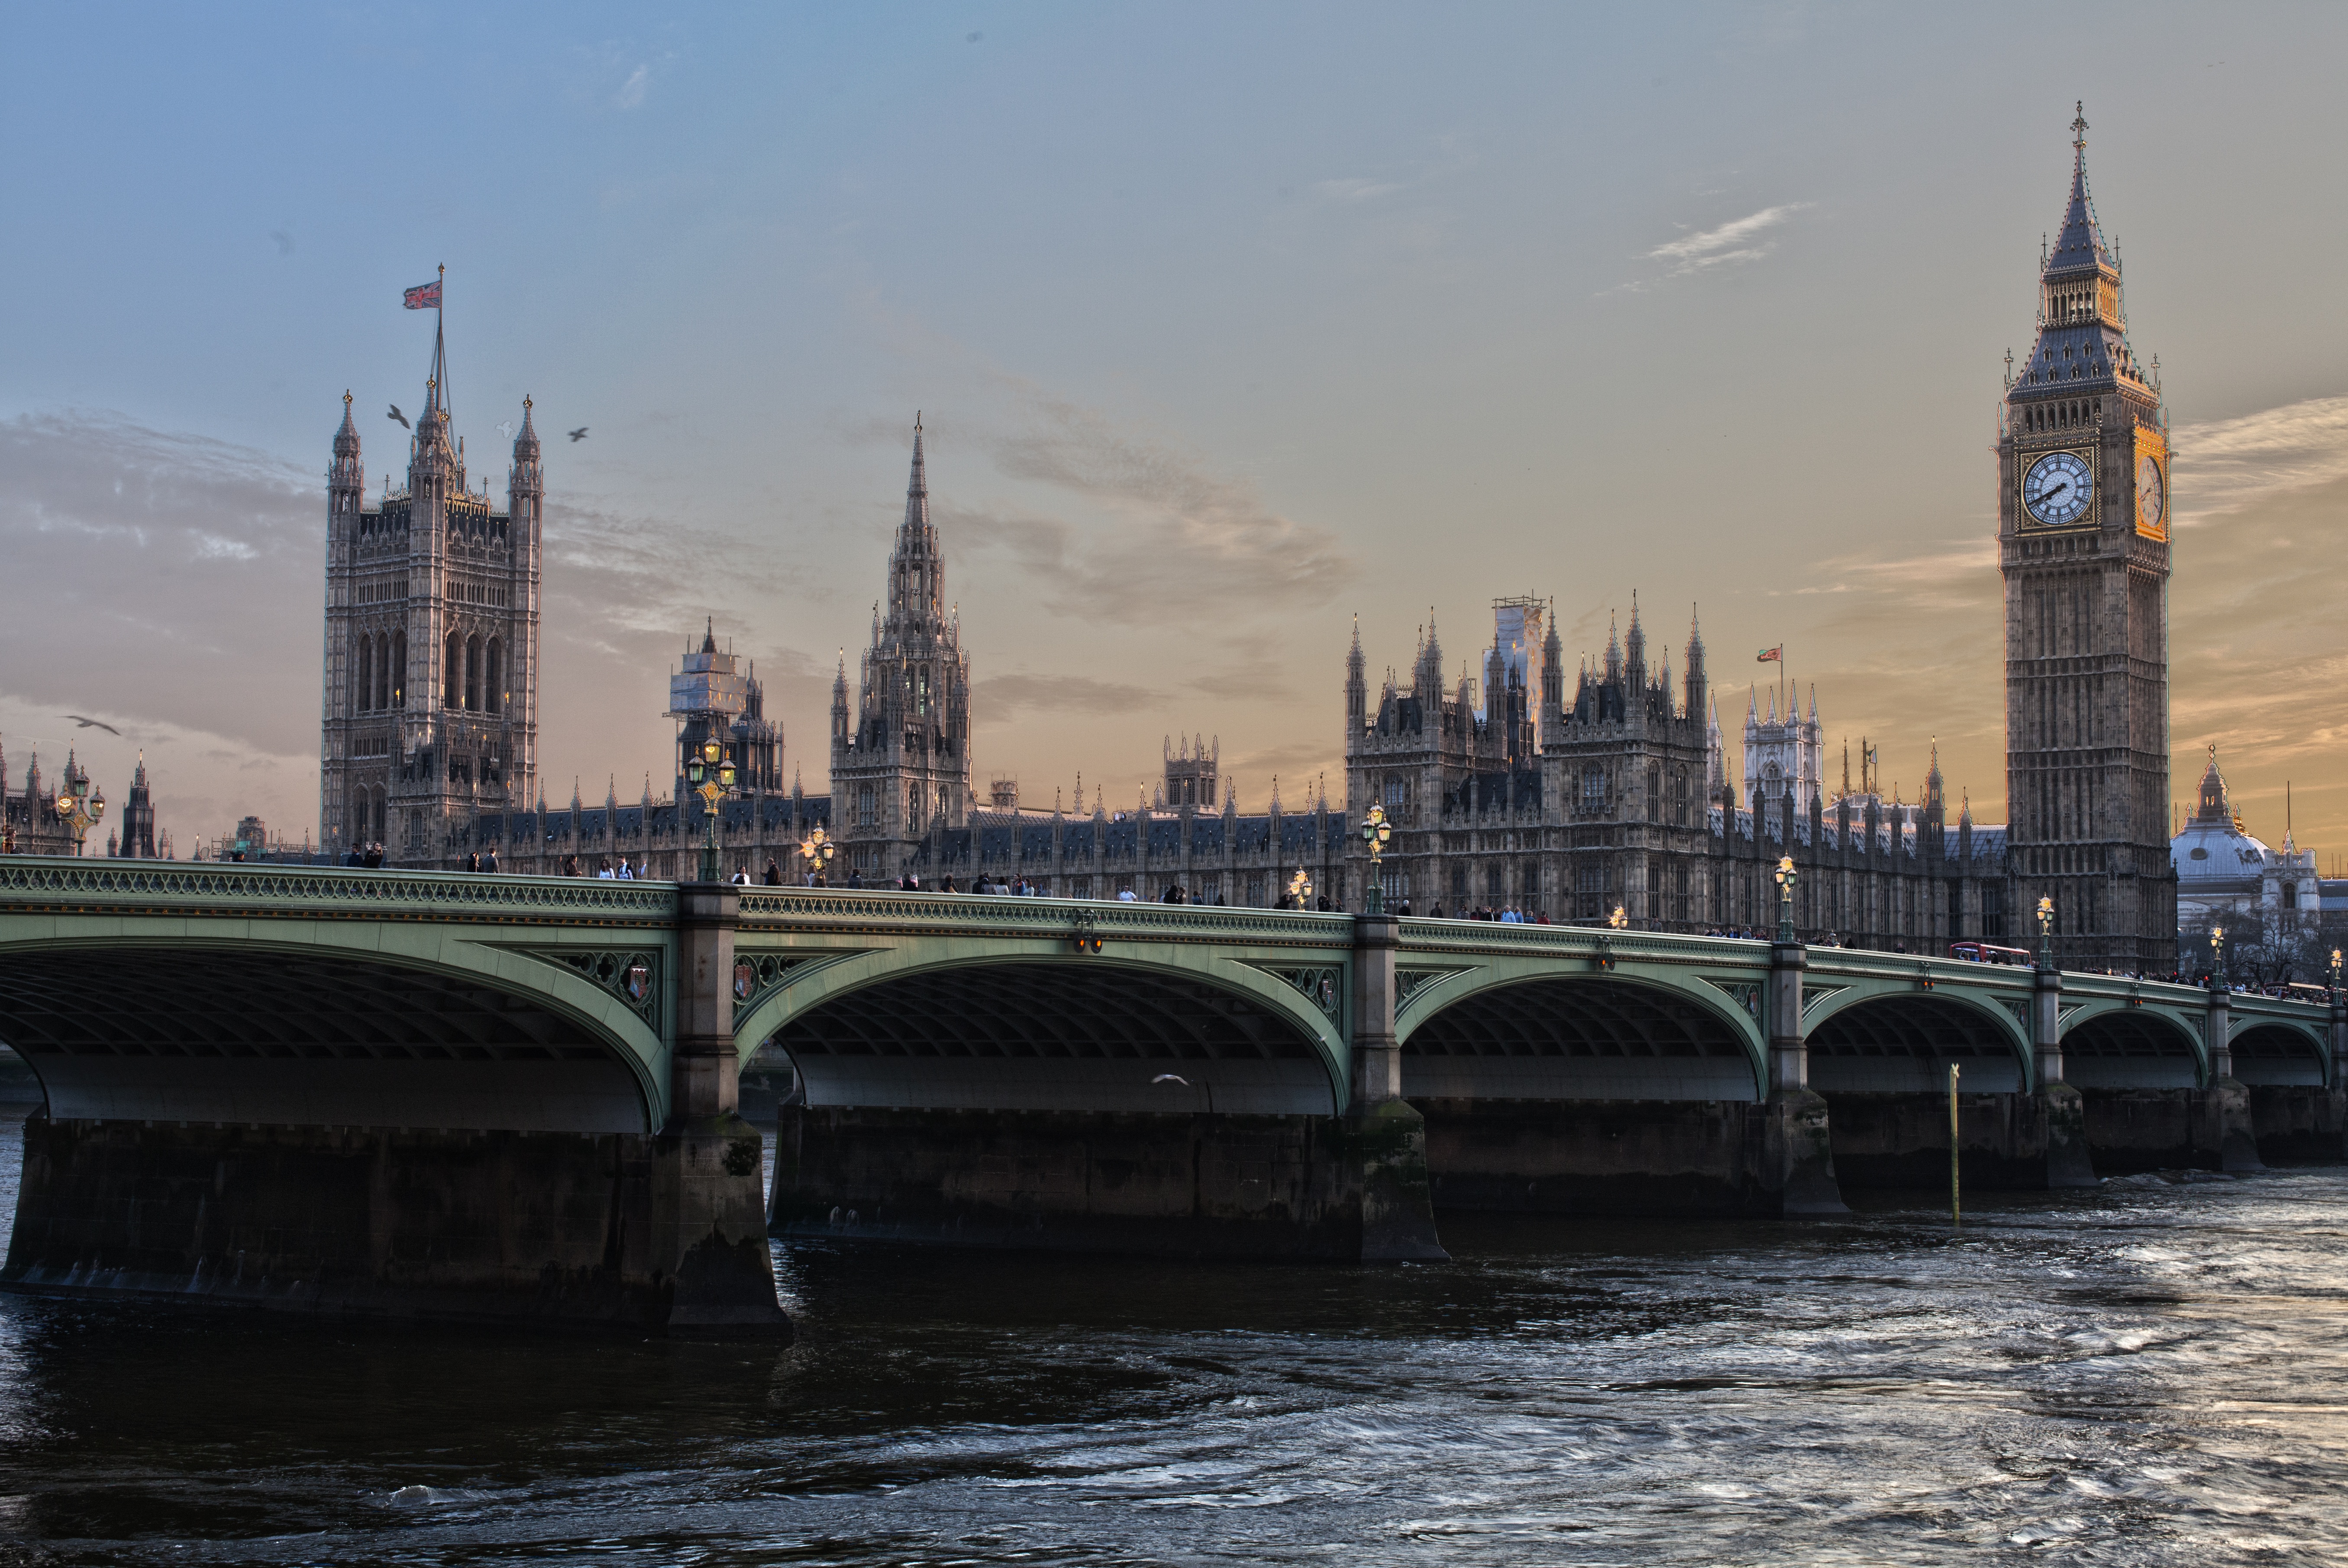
column 1772, row 655
column 422, row 297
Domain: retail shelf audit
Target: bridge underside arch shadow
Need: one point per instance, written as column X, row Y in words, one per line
column 2135, row 1047
column 1576, row 1038
column 1037, row 1035
column 1882, row 1063
column 2277, row 1055
column 1905, row 1043
column 246, row 1034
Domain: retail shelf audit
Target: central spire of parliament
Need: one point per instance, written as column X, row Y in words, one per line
column 900, row 756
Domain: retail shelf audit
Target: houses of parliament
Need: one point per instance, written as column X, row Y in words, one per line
column 1604, row 792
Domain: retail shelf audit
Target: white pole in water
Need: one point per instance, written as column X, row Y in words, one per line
column 1956, row 1214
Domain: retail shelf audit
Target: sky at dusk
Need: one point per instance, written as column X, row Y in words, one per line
column 1226, row 325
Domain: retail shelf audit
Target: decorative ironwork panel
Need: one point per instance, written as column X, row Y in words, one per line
column 1745, row 993
column 1322, row 986
column 633, row 976
column 1411, row 984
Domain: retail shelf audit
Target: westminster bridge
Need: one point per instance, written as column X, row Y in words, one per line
column 436, row 1094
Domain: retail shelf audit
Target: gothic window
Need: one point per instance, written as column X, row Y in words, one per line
column 1460, row 882
column 399, row 669
column 493, row 678
column 473, row 674
column 1593, row 789
column 364, row 684
column 913, row 809
column 1492, row 884
column 1532, row 884
column 452, row 672
column 945, row 803
column 864, row 806
column 1394, row 791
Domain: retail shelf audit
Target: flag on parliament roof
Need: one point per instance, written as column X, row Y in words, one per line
column 422, row 297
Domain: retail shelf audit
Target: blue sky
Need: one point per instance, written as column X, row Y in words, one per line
column 1227, row 323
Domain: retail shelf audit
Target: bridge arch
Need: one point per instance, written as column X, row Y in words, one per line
column 1054, row 1031
column 2109, row 1044
column 2268, row 1051
column 1871, row 1039
column 332, row 1027
column 1507, row 1032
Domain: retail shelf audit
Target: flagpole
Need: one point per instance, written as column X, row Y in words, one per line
column 439, row 333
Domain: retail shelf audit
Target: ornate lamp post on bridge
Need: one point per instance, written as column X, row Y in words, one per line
column 2046, row 933
column 2217, row 958
column 710, row 775
column 817, row 849
column 79, row 807
column 1376, row 832
column 1785, row 876
column 1300, row 888
column 2336, row 974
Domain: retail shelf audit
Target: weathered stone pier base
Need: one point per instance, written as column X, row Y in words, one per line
column 2172, row 1129
column 2298, row 1124
column 1197, row 1185
column 660, row 1233
column 1631, row 1157
column 2005, row 1142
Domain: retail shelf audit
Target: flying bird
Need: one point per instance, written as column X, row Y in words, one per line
column 284, row 242
column 91, row 724
column 395, row 414
column 580, row 433
column 1171, row 1078
column 505, row 428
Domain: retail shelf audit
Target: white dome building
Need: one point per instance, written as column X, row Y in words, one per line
column 2223, row 870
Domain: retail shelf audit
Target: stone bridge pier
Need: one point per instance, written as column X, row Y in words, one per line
column 1112, row 1077
column 392, row 1095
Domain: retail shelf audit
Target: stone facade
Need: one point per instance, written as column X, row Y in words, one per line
column 431, row 688
column 901, row 758
column 2082, row 543
column 1619, row 799
column 29, row 823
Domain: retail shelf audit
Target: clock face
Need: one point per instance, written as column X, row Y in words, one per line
column 2059, row 488
column 2151, row 494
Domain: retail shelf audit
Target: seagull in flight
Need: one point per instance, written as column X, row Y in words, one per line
column 580, row 433
column 91, row 724
column 395, row 414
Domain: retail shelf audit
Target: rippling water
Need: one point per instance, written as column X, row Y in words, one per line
column 2149, row 1373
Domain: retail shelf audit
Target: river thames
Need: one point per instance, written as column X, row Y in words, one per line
column 2148, row 1373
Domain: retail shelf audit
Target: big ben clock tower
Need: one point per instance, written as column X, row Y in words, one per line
column 2083, row 542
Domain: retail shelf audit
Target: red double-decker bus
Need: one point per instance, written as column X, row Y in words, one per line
column 1983, row 953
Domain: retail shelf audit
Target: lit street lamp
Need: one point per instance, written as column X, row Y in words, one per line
column 1376, row 832
column 1300, row 888
column 79, row 807
column 2217, row 958
column 1785, row 876
column 1619, row 919
column 711, row 777
column 817, row 848
column 2046, row 933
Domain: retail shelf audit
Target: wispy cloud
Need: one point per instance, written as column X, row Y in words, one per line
column 1169, row 540
column 1732, row 243
column 2225, row 464
column 1005, row 697
column 631, row 91
column 1351, row 191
